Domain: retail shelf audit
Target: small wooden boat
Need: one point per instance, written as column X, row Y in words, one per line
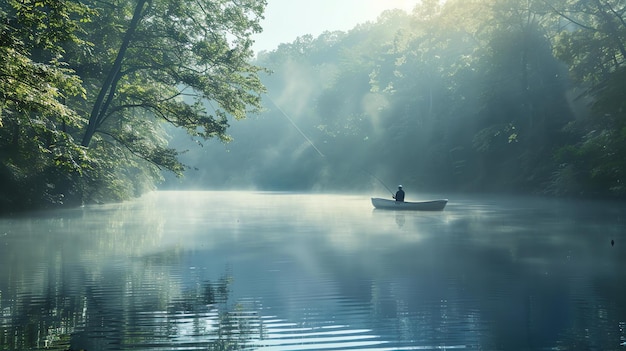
column 433, row 205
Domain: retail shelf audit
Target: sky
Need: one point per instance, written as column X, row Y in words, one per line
column 285, row 20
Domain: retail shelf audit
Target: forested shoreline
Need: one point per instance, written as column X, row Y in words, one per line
column 496, row 96
column 99, row 100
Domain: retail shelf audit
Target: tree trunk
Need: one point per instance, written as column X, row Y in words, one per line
column 98, row 112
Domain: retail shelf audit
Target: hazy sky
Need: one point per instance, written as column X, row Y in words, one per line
column 285, row 20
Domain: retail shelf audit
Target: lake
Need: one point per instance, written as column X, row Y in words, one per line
column 287, row 271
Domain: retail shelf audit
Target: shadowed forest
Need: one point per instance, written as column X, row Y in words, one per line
column 469, row 95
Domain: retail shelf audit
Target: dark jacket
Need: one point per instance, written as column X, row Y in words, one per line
column 399, row 195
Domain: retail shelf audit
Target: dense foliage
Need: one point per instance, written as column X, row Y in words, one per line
column 471, row 95
column 86, row 88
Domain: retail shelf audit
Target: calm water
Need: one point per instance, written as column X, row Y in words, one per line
column 277, row 271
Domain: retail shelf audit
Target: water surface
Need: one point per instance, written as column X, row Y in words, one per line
column 283, row 271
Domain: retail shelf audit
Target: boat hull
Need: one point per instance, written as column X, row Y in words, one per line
column 385, row 204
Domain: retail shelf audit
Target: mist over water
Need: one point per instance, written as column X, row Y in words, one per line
column 293, row 271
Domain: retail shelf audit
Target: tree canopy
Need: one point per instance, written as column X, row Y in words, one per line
column 87, row 87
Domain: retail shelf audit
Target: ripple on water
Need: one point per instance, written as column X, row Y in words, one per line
column 311, row 273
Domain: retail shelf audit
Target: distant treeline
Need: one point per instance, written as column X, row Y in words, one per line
column 472, row 95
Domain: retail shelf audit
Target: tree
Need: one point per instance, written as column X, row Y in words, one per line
column 593, row 44
column 36, row 150
column 593, row 41
column 87, row 87
column 171, row 56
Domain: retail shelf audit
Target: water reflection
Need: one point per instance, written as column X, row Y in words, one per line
column 279, row 271
column 400, row 219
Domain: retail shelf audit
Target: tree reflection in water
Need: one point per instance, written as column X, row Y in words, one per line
column 200, row 316
column 97, row 279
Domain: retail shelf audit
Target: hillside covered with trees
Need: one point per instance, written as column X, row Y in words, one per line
column 99, row 100
column 471, row 95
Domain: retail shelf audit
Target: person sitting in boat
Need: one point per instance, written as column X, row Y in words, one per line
column 399, row 196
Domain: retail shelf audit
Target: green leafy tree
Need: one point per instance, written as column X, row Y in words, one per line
column 168, row 58
column 593, row 44
column 36, row 151
column 87, row 88
column 593, row 41
column 524, row 106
